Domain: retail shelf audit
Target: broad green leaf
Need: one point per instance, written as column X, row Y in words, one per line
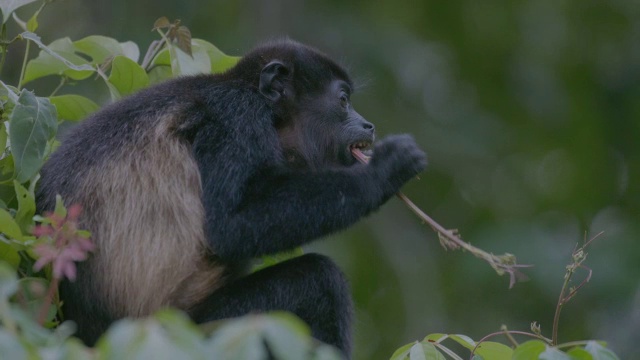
column 182, row 331
column 463, row 340
column 32, row 125
column 99, row 48
column 326, row 352
column 494, row 351
column 286, row 336
column 435, row 337
column 8, row 281
column 551, row 353
column 141, row 339
column 10, row 346
column 529, row 350
column 402, row 352
column 238, row 339
column 183, row 64
column 159, row 74
column 130, row 50
column 8, row 225
column 9, row 254
column 600, row 352
column 57, row 58
column 578, row 353
column 26, row 208
column 9, row 91
column 9, row 6
column 425, row 351
column 127, row 76
column 220, row 61
column 73, row 107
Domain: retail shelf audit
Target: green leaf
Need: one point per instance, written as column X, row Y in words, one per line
column 142, row 339
column 9, row 6
column 8, row 281
column 435, row 337
column 10, row 346
column 3, row 137
column 32, row 24
column 73, row 107
column 326, row 352
column 130, row 50
column 494, row 351
column 58, row 58
column 60, row 209
column 286, row 336
column 8, row 225
column 159, row 74
column 184, row 64
column 270, row 260
column 182, row 331
column 600, row 352
column 9, row 254
column 127, row 76
column 9, row 91
column 529, row 350
column 463, row 340
column 99, row 48
column 26, row 208
column 238, row 339
column 220, row 61
column 402, row 352
column 551, row 353
column 32, row 125
column 425, row 351
column 579, row 353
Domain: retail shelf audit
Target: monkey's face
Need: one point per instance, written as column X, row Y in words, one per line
column 325, row 129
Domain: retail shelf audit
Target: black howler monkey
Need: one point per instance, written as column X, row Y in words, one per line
column 182, row 184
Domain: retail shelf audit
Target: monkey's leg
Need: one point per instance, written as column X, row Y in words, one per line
column 310, row 286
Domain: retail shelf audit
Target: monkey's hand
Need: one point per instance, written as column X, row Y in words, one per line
column 396, row 159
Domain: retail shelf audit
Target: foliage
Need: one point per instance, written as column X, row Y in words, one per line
column 37, row 252
column 432, row 348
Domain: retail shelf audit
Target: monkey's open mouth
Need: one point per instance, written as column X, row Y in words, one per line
column 362, row 146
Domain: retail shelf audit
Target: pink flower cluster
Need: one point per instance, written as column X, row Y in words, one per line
column 65, row 245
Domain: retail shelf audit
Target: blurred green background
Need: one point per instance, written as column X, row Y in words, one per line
column 530, row 114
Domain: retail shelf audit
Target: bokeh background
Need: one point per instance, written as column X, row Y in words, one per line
column 530, row 114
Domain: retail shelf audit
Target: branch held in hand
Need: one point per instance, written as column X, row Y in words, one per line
column 450, row 239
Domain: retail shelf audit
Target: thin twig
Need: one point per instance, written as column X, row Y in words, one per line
column 502, row 264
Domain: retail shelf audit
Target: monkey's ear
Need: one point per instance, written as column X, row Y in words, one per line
column 272, row 80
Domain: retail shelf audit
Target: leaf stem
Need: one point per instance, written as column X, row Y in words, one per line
column 48, row 300
column 24, row 65
column 63, row 81
column 3, row 45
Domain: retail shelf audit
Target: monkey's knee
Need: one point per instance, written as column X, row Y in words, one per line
column 330, row 309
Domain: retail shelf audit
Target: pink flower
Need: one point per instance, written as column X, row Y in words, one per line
column 64, row 245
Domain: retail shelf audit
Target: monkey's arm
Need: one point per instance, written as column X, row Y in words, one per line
column 280, row 210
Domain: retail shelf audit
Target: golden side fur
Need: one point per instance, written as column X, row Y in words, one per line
column 156, row 183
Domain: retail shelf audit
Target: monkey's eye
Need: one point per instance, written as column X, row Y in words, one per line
column 344, row 100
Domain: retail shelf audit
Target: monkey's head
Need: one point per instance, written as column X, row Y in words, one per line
column 311, row 100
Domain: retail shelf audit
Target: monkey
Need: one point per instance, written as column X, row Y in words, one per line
column 186, row 182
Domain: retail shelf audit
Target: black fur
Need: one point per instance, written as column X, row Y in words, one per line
column 271, row 139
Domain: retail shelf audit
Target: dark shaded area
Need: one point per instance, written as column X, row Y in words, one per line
column 529, row 112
